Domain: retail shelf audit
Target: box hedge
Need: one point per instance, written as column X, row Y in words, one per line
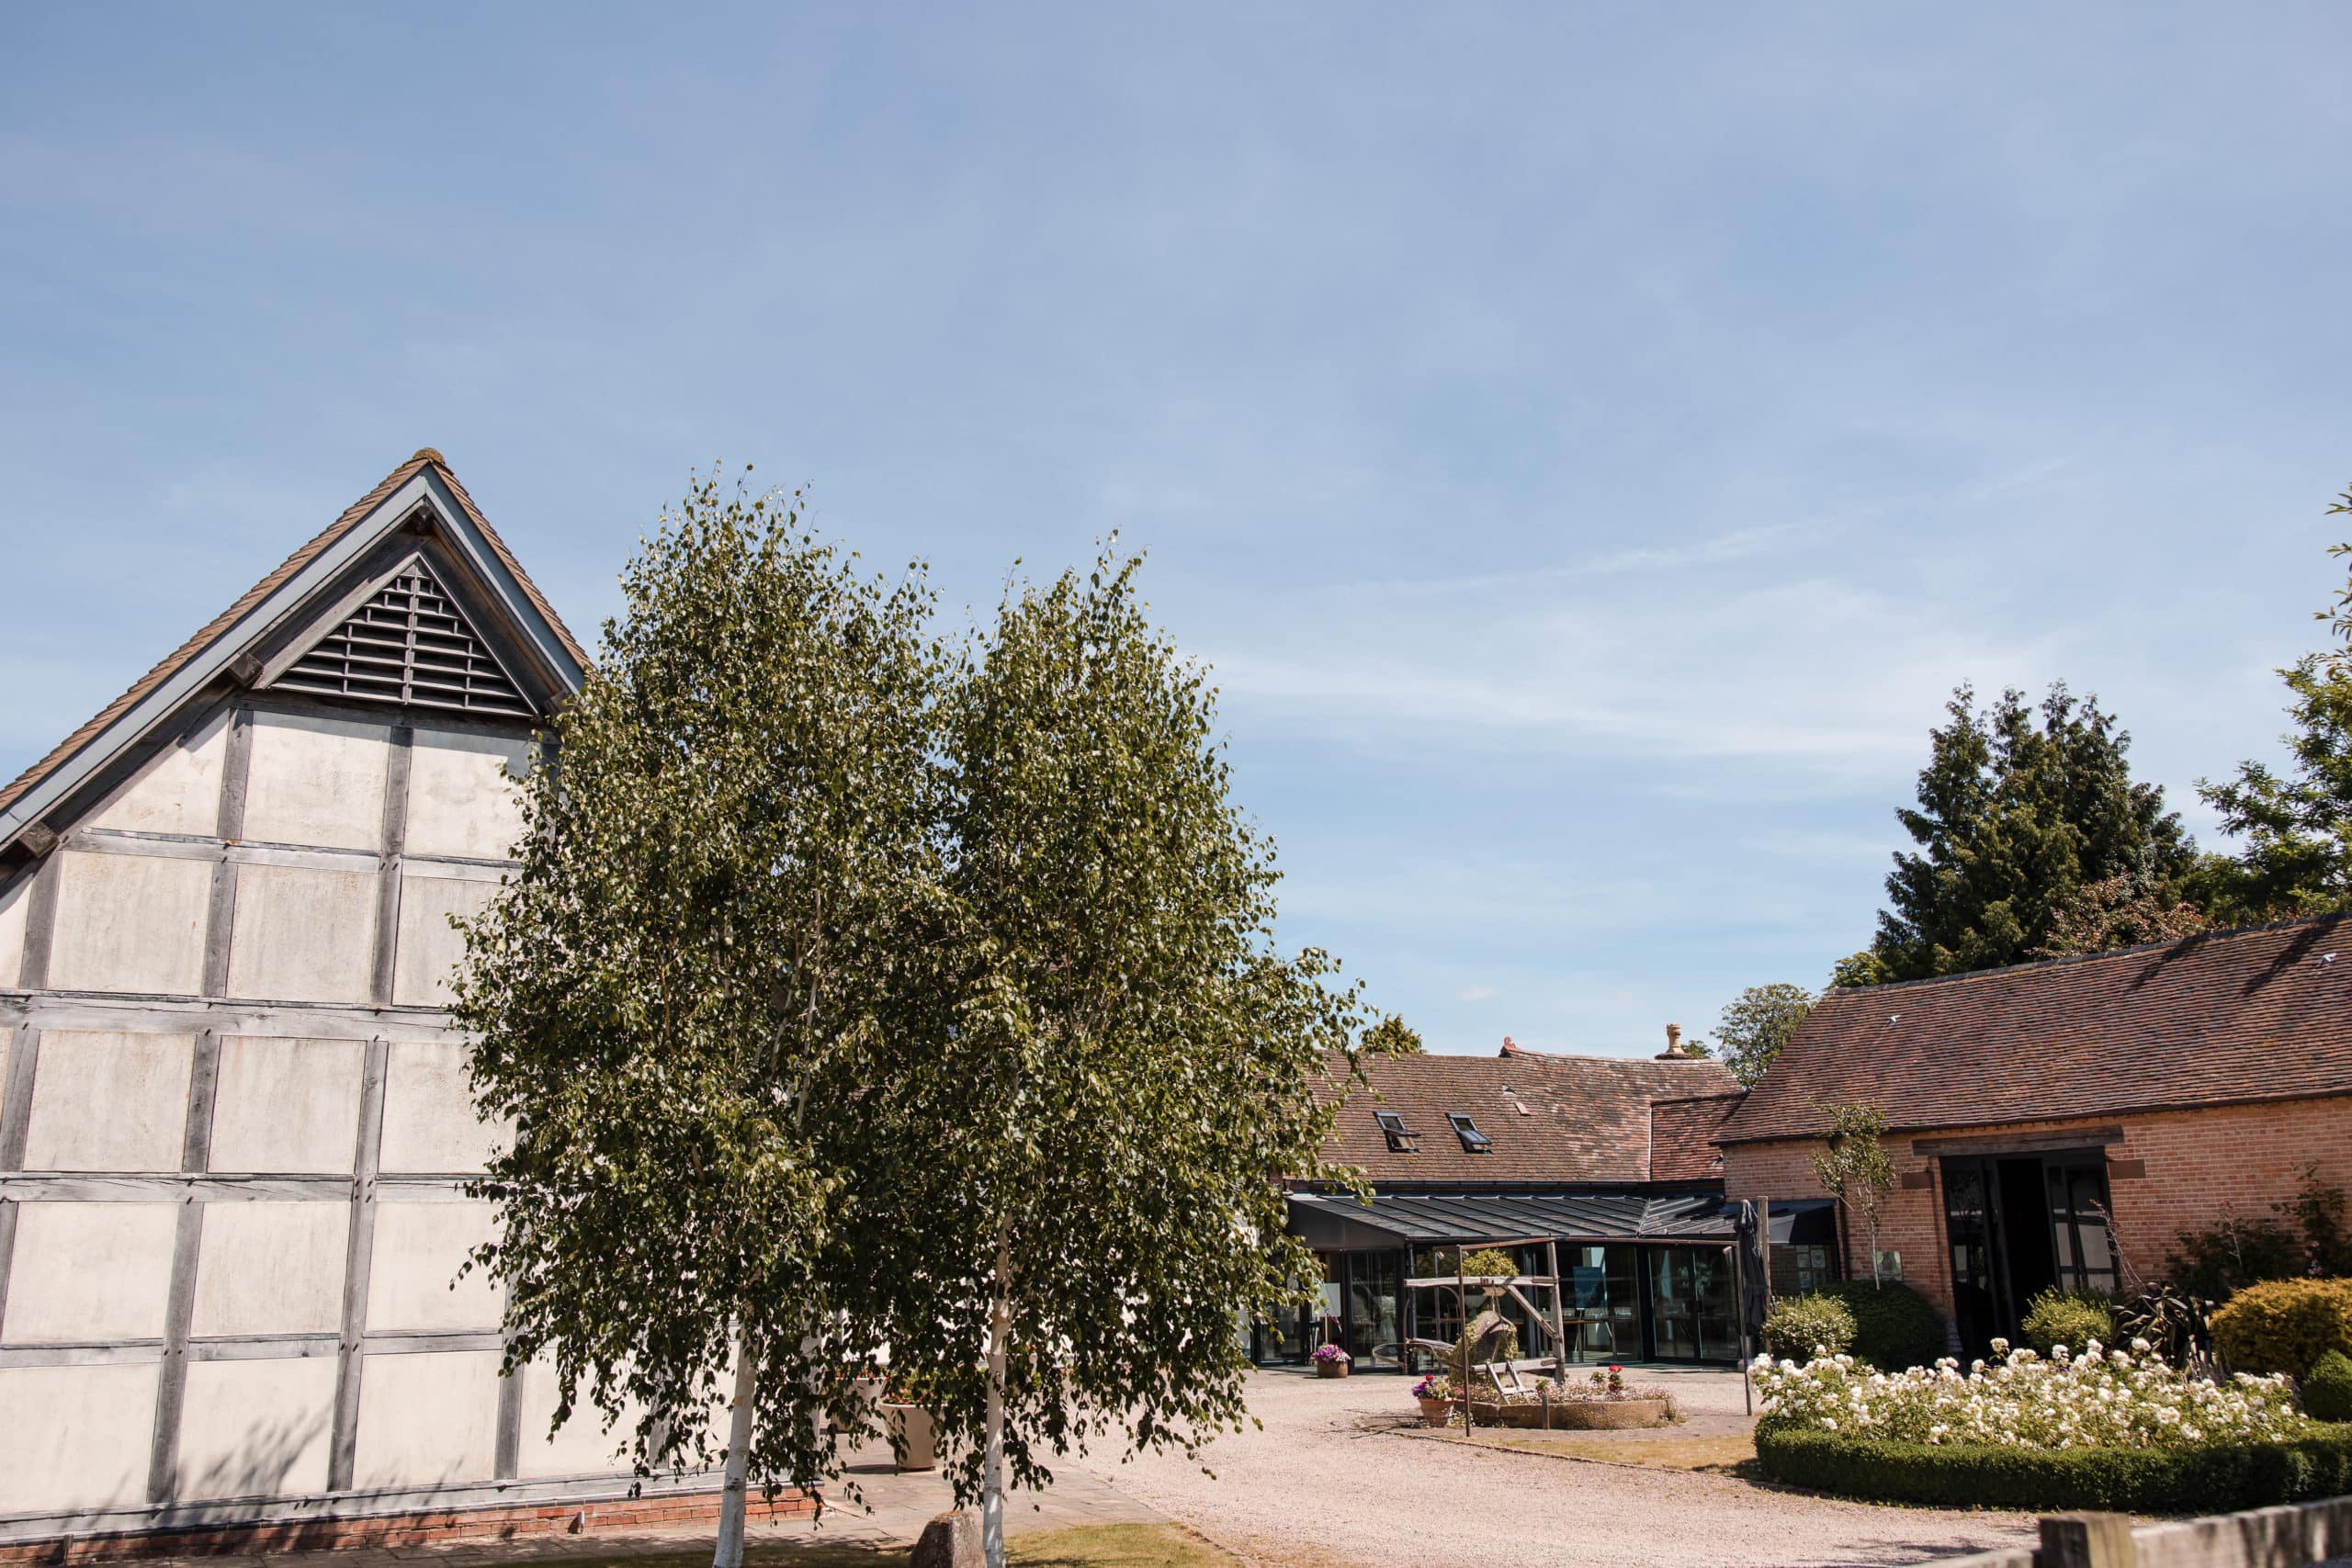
column 2327, row 1387
column 2284, row 1325
column 2213, row 1478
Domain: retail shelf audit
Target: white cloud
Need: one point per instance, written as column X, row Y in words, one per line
column 1474, row 994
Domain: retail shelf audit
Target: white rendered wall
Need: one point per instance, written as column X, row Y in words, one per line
column 260, row 1010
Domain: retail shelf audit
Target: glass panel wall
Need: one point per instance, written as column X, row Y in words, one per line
column 1375, row 1325
column 1695, row 1310
column 1600, row 1303
column 2078, row 1226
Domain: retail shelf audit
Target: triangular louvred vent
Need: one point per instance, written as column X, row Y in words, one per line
column 412, row 647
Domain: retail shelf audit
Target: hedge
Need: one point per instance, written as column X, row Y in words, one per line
column 1894, row 1328
column 2284, row 1325
column 2212, row 1478
column 2328, row 1388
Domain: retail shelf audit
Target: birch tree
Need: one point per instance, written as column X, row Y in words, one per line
column 1082, row 1210
column 720, row 876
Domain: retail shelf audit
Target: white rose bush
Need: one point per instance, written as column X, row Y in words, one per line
column 2100, row 1399
column 2109, row 1429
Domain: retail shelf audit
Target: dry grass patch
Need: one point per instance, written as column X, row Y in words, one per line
column 1724, row 1454
column 1084, row 1546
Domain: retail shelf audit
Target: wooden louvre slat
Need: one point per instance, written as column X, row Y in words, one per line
column 410, row 646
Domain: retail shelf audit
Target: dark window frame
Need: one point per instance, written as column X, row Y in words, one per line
column 1465, row 1128
column 1401, row 1139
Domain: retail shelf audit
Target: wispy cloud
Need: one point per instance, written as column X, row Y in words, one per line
column 1474, row 994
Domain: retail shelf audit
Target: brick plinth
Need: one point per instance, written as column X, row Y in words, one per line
column 421, row 1528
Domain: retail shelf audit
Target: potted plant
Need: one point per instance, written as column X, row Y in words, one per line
column 1436, row 1394
column 1330, row 1361
column 907, row 1421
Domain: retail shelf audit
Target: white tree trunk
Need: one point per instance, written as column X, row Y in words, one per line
column 992, row 1462
column 739, row 1456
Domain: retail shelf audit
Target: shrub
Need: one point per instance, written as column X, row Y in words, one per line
column 2327, row 1389
column 2061, row 1318
column 1893, row 1325
column 2105, row 1399
column 2206, row 1478
column 2309, row 1236
column 1800, row 1327
column 2284, row 1325
column 1491, row 1262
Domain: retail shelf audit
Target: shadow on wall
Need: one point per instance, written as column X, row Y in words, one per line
column 274, row 1458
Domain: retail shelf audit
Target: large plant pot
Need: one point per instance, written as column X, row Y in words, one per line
column 1436, row 1411
column 914, row 1436
column 1575, row 1416
column 1330, row 1369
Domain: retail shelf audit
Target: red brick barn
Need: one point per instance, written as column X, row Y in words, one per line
column 2062, row 1123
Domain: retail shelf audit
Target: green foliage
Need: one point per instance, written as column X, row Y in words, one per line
column 1852, row 1165
column 2296, row 827
column 1860, row 970
column 2284, row 1325
column 1466, row 1348
column 1391, row 1036
column 2200, row 1479
column 2017, row 809
column 670, row 998
column 2307, row 1238
column 1491, row 1263
column 2121, row 911
column 2070, row 1318
column 848, row 993
column 1081, row 1129
column 1759, row 1020
column 2328, row 1388
column 1894, row 1328
column 1799, row 1327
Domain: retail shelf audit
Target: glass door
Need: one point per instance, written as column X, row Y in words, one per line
column 1376, row 1332
column 1600, row 1303
column 1695, row 1313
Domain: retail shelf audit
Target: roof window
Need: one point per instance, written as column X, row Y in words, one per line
column 1473, row 1140
column 1392, row 1127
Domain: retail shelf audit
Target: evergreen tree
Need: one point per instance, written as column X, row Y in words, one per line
column 2018, row 808
column 2296, row 827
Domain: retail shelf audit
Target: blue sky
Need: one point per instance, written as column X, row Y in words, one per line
column 1589, row 443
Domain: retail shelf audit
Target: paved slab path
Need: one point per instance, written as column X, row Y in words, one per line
column 1331, row 1482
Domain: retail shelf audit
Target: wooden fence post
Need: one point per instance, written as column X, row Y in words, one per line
column 2087, row 1540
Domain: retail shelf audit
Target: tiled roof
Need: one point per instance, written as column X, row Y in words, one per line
column 1682, row 1138
column 1564, row 1119
column 2263, row 1013
column 221, row 625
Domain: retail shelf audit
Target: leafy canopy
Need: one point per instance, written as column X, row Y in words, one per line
column 1391, row 1036
column 674, row 998
column 1757, row 1025
column 2018, row 808
column 1077, row 1139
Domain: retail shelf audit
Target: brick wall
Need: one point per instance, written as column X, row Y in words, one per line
column 426, row 1528
column 2200, row 1166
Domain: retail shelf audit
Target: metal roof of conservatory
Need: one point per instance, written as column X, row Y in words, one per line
column 1341, row 1221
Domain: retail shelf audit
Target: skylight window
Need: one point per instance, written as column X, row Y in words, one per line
column 1392, row 1127
column 1473, row 1140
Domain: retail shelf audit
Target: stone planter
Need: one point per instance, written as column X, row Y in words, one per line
column 1330, row 1369
column 914, row 1436
column 1575, row 1414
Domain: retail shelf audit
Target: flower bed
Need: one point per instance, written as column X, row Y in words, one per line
column 2107, row 1430
column 1604, row 1401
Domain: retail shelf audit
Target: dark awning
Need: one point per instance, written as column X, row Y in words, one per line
column 1340, row 1221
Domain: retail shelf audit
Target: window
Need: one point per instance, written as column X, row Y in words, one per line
column 1467, row 1131
column 1392, row 1127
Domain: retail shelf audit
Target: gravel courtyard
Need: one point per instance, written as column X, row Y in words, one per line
column 1331, row 1482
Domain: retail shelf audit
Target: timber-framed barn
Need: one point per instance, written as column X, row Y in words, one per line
column 235, row 1121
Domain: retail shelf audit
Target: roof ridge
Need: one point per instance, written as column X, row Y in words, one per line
column 244, row 603
column 2224, row 933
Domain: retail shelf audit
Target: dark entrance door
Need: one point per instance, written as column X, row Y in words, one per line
column 2018, row 1225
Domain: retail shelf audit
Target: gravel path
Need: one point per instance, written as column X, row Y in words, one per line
column 1330, row 1483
